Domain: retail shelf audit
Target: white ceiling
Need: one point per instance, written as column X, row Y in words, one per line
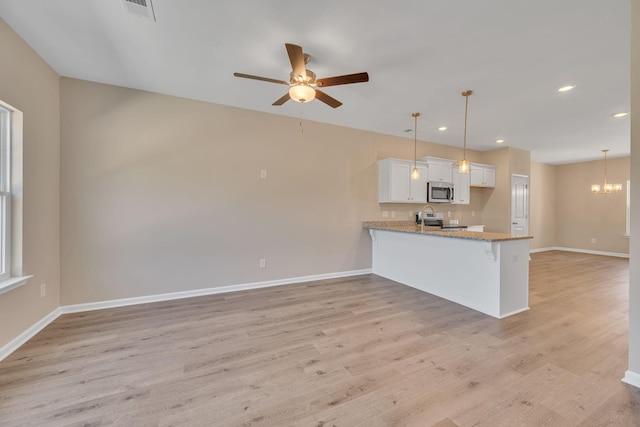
column 420, row 55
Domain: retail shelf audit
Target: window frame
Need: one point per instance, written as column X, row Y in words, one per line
column 11, row 180
column 5, row 193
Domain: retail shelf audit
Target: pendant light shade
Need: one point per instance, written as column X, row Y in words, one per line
column 415, row 173
column 606, row 188
column 463, row 165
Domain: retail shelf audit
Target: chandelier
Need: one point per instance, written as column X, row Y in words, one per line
column 606, row 188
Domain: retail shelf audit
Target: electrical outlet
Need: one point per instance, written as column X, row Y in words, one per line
column 593, row 240
column 448, row 214
column 385, row 214
column 43, row 290
column 473, row 213
column 393, row 214
column 263, row 263
column 263, row 174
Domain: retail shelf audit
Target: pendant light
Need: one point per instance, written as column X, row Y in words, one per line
column 415, row 173
column 606, row 188
column 463, row 166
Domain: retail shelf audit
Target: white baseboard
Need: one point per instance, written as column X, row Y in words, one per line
column 533, row 251
column 513, row 313
column 14, row 344
column 631, row 378
column 18, row 341
column 77, row 308
column 583, row 251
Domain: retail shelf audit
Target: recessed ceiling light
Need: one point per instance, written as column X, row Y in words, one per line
column 499, row 141
column 442, row 128
column 622, row 114
column 566, row 88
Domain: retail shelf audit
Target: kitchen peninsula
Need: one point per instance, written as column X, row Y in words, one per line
column 488, row 272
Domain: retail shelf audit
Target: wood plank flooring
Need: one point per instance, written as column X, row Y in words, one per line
column 359, row 351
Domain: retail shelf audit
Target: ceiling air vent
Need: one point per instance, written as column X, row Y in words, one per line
column 141, row 8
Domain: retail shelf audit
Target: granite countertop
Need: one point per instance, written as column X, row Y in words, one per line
column 412, row 227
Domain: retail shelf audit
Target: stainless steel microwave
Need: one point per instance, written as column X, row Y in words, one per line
column 439, row 192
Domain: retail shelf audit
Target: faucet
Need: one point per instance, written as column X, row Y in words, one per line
column 422, row 215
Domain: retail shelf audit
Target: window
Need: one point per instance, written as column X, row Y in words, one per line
column 10, row 199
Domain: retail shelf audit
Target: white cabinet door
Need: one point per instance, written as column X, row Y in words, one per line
column 399, row 183
column 395, row 184
column 489, row 177
column 418, row 188
column 482, row 175
column 461, row 190
column 476, row 175
column 440, row 172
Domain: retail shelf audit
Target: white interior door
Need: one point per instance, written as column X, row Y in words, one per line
column 520, row 205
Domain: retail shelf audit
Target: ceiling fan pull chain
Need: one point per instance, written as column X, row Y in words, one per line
column 301, row 118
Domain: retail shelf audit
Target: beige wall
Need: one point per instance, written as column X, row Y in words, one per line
column 497, row 202
column 163, row 194
column 565, row 214
column 542, row 208
column 582, row 215
column 30, row 85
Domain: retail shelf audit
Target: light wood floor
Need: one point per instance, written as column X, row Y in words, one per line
column 361, row 351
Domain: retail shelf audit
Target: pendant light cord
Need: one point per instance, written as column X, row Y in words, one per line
column 415, row 140
column 466, row 110
column 466, row 94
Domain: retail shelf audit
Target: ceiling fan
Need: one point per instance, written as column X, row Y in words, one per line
column 303, row 83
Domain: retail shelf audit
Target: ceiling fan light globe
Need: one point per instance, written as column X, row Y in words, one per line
column 302, row 93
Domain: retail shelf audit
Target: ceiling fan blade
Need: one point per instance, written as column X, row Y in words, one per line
column 296, row 56
column 343, row 80
column 331, row 102
column 264, row 79
column 282, row 100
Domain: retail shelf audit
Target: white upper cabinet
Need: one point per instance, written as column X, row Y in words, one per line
column 438, row 169
column 482, row 175
column 461, row 190
column 395, row 184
